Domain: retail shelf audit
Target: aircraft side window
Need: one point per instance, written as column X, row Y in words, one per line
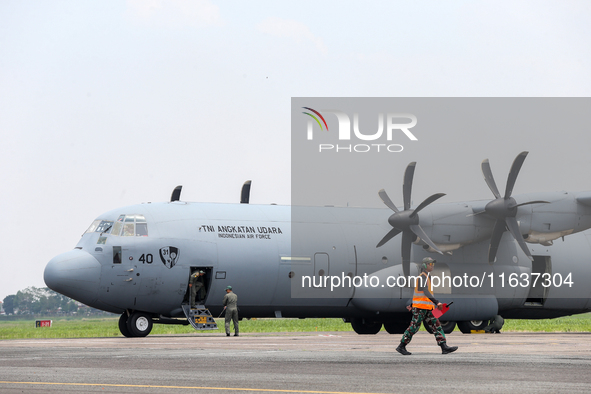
column 141, row 227
column 116, row 254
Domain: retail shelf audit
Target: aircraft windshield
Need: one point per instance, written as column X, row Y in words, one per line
column 130, row 225
column 100, row 226
column 126, row 226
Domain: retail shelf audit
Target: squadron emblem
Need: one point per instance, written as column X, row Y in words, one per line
column 169, row 256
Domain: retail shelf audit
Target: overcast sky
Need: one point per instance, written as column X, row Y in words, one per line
column 110, row 103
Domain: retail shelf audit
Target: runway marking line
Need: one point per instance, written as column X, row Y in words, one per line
column 186, row 387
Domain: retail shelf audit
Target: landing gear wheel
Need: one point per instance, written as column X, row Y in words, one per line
column 448, row 326
column 396, row 326
column 361, row 326
column 139, row 324
column 123, row 325
column 466, row 327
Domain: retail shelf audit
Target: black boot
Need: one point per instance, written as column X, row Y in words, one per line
column 402, row 349
column 447, row 349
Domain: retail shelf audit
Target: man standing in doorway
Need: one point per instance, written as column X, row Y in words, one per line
column 231, row 308
column 423, row 303
column 196, row 285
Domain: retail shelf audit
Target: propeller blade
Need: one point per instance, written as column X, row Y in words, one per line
column 530, row 202
column 515, row 167
column 176, row 194
column 391, row 234
column 407, row 185
column 245, row 193
column 386, row 200
column 488, row 177
column 427, row 201
column 418, row 230
column 514, row 229
column 498, row 231
column 407, row 238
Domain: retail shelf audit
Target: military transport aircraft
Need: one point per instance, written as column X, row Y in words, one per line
column 523, row 257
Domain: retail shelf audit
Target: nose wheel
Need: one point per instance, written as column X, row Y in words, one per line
column 123, row 325
column 138, row 324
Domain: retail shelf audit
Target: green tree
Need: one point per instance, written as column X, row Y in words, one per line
column 71, row 307
column 23, row 301
column 9, row 304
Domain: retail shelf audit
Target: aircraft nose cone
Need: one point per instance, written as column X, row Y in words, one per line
column 75, row 274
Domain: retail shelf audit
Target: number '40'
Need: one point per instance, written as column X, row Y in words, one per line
column 147, row 258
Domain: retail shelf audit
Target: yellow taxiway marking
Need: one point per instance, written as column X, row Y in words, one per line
column 185, row 387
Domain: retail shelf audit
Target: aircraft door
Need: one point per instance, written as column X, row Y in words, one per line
column 541, row 269
column 203, row 292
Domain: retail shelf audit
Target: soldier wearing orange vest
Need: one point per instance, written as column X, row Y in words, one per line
column 423, row 303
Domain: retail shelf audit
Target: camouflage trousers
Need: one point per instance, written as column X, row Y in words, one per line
column 418, row 315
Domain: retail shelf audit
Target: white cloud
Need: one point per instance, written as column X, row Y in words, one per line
column 174, row 13
column 291, row 29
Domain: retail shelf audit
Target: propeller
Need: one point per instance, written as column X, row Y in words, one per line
column 407, row 221
column 504, row 208
column 245, row 193
column 176, row 194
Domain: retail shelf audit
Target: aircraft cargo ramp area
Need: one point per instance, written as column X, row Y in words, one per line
column 317, row 362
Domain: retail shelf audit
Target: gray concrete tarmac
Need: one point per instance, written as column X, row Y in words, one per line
column 298, row 363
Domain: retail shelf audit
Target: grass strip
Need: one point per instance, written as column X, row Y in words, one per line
column 108, row 327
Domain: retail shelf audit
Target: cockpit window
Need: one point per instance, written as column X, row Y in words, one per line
column 126, row 225
column 93, row 226
column 100, row 226
column 130, row 225
column 105, row 226
column 117, row 226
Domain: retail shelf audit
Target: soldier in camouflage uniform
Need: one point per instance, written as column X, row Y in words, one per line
column 231, row 308
column 423, row 303
column 196, row 286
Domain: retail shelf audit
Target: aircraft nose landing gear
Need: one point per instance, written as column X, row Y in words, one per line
column 137, row 324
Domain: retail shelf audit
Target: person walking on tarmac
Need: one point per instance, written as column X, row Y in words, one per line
column 423, row 303
column 231, row 308
column 196, row 286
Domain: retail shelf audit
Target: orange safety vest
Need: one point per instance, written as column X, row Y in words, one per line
column 419, row 300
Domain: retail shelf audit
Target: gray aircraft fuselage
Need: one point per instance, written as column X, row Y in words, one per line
column 140, row 257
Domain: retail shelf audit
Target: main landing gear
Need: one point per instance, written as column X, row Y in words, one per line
column 466, row 327
column 136, row 324
column 362, row 326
